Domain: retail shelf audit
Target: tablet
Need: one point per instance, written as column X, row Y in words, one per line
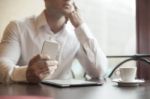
column 71, row 83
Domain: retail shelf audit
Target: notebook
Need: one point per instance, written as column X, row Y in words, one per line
column 71, row 83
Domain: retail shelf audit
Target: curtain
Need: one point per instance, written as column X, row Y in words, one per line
column 143, row 36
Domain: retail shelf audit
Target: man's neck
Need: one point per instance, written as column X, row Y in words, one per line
column 56, row 21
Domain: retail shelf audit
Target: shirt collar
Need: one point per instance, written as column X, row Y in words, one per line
column 41, row 20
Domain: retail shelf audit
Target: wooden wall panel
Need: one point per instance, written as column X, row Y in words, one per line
column 143, row 35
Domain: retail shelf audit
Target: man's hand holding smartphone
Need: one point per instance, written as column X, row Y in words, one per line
column 42, row 65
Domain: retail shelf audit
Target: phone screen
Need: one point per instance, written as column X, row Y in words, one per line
column 50, row 48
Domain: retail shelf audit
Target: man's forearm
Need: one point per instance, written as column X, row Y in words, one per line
column 92, row 57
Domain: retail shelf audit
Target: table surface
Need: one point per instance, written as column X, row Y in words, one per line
column 106, row 91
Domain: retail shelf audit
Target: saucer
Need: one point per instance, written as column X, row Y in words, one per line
column 135, row 82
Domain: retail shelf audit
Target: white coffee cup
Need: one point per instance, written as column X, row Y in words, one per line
column 127, row 74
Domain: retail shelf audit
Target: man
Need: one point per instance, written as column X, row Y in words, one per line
column 20, row 58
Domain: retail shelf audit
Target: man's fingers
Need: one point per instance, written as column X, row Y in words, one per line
column 45, row 64
column 51, row 63
column 44, row 57
column 38, row 58
column 52, row 67
column 42, row 71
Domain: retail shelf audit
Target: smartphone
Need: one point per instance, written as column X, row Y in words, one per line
column 50, row 48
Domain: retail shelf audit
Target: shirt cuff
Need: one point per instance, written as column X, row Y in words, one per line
column 83, row 33
column 19, row 74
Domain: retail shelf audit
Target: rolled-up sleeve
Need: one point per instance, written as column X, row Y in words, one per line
column 10, row 54
column 90, row 54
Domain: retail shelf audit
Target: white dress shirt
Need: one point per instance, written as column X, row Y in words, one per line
column 24, row 39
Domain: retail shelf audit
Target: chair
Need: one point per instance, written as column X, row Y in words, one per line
column 137, row 57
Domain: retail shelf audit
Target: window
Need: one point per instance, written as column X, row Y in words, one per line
column 113, row 23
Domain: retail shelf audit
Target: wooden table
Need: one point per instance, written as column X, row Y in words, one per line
column 108, row 91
